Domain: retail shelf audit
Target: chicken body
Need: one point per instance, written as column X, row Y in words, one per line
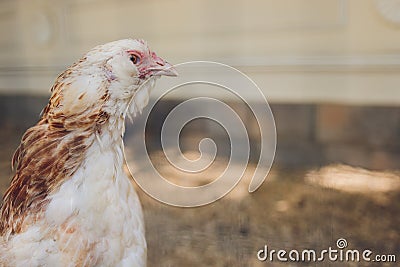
column 94, row 219
column 70, row 203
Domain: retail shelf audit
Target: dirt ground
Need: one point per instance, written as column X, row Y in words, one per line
column 294, row 209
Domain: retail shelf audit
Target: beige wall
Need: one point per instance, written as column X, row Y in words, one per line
column 345, row 51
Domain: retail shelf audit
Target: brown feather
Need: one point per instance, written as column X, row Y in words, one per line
column 49, row 153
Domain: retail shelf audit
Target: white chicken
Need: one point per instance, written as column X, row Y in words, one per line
column 70, row 203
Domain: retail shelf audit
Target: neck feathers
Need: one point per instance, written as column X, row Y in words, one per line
column 50, row 152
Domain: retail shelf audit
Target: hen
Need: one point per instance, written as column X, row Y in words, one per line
column 70, row 202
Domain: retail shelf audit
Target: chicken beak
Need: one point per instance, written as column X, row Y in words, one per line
column 165, row 70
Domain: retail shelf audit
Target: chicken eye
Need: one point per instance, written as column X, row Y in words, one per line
column 135, row 59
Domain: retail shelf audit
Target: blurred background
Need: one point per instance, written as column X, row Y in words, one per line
column 330, row 71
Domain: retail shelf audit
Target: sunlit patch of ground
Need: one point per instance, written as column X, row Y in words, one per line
column 354, row 180
column 373, row 184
